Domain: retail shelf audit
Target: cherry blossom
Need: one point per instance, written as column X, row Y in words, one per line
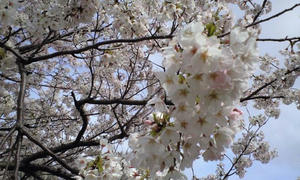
column 138, row 89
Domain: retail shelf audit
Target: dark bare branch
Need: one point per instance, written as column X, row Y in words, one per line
column 274, row 16
column 262, row 8
column 49, row 152
column 95, row 46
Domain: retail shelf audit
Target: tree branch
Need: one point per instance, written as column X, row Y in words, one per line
column 263, row 20
column 279, row 40
column 28, row 168
column 7, row 136
column 49, row 152
column 274, row 16
column 19, row 123
column 17, row 156
column 19, row 57
column 123, row 101
column 95, row 46
column 250, row 96
column 79, row 106
column 60, row 148
column 242, row 153
column 262, row 7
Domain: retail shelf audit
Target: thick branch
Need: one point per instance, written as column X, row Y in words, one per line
column 266, row 97
column 21, row 95
column 123, row 101
column 19, row 123
column 61, row 148
column 7, row 48
column 28, row 168
column 95, row 46
column 49, row 152
column 17, row 156
column 79, row 106
column 27, row 48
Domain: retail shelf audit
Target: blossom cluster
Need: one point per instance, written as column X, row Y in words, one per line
column 251, row 147
column 89, row 72
column 8, row 9
column 7, row 101
column 72, row 14
column 204, row 78
column 107, row 165
column 41, row 17
column 282, row 79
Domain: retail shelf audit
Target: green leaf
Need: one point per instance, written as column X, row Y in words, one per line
column 153, row 133
column 211, row 29
column 155, row 118
column 197, row 100
column 166, row 117
column 110, row 52
column 99, row 164
column 146, row 175
column 181, row 79
column 2, row 53
column 89, row 164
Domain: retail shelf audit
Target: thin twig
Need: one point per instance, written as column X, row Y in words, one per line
column 262, row 7
column 267, row 84
column 7, row 136
column 242, row 153
column 263, row 20
column 274, row 16
column 279, row 39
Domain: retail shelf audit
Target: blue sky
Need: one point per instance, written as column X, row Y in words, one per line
column 283, row 133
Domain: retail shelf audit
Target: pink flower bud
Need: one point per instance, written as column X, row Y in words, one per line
column 235, row 114
column 148, row 122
